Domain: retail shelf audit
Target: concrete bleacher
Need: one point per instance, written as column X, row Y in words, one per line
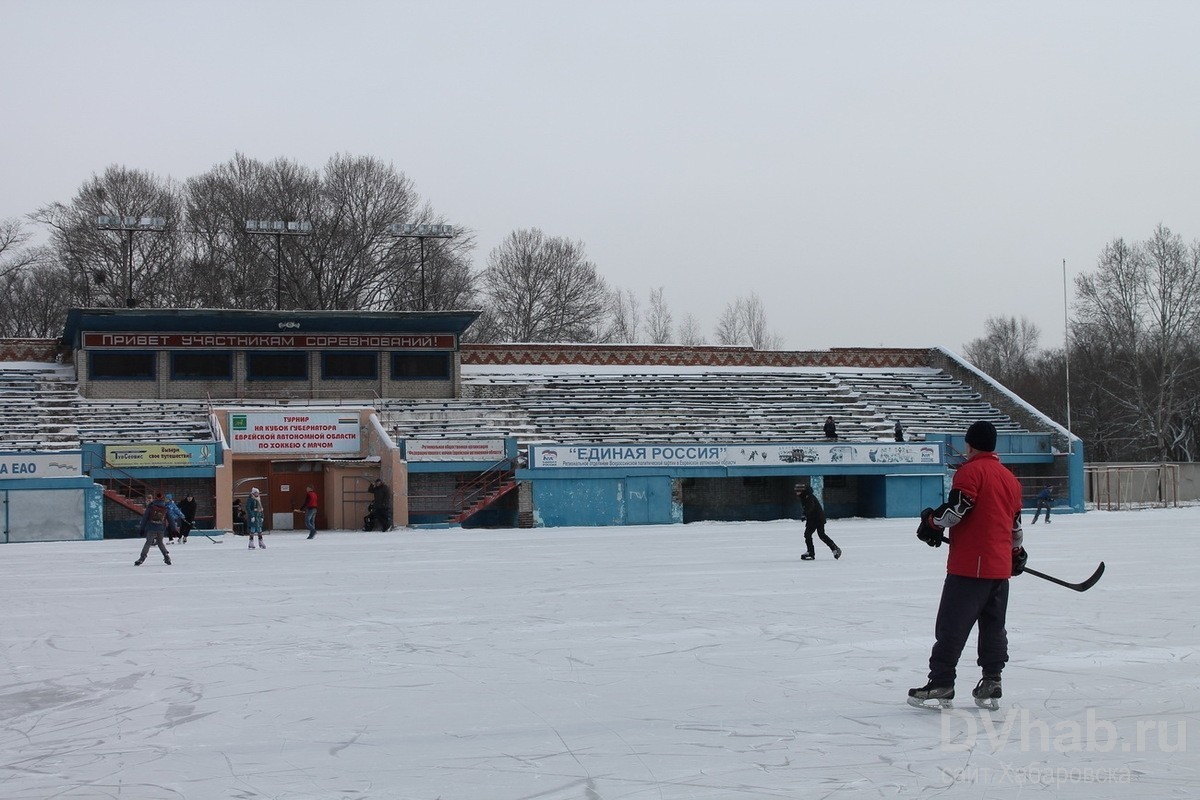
column 41, row 409
column 575, row 404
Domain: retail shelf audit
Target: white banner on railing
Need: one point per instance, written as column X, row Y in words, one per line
column 490, row 450
column 730, row 455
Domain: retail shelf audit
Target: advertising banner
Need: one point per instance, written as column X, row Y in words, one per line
column 490, row 450
column 40, row 465
column 299, row 432
column 160, row 455
column 730, row 455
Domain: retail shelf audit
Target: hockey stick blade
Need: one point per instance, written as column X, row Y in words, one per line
column 1078, row 587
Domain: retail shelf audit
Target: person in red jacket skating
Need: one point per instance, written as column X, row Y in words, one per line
column 983, row 514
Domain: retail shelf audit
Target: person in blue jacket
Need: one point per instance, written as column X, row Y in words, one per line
column 1044, row 499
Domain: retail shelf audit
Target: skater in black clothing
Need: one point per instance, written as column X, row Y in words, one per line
column 153, row 525
column 381, row 507
column 188, row 507
column 814, row 522
column 239, row 517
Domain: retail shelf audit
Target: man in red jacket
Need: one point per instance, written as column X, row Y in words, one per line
column 983, row 514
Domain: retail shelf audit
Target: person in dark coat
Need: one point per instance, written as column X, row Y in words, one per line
column 239, row 517
column 899, row 432
column 381, row 505
column 814, row 522
column 188, row 506
column 830, row 428
column 153, row 526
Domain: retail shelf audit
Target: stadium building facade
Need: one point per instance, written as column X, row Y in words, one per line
column 214, row 403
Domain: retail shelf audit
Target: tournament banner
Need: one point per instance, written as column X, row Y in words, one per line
column 160, row 455
column 730, row 455
column 294, row 432
column 40, row 465
column 490, row 450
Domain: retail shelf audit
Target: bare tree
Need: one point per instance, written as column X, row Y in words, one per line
column 102, row 271
column 626, row 317
column 1138, row 319
column 658, row 320
column 1007, row 350
column 544, row 289
column 744, row 322
column 690, row 333
column 14, row 255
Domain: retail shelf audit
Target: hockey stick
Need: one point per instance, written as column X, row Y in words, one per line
column 1078, row 587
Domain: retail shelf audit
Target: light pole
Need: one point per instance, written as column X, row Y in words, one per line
column 130, row 226
column 278, row 229
column 421, row 232
column 1067, row 357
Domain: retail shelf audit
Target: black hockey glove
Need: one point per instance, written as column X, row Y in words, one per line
column 1019, row 559
column 927, row 531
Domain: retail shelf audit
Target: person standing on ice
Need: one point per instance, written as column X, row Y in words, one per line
column 814, row 521
column 254, row 517
column 983, row 512
column 174, row 519
column 1044, row 499
column 153, row 525
column 188, row 507
column 310, row 510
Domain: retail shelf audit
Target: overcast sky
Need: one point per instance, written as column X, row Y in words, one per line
column 879, row 173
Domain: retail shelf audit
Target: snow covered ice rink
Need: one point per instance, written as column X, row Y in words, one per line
column 697, row 661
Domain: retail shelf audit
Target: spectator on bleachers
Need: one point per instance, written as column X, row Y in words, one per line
column 830, row 429
column 899, row 432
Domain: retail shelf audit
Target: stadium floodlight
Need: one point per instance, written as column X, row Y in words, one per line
column 279, row 228
column 129, row 225
column 421, row 232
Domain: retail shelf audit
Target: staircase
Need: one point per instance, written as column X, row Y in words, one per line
column 483, row 491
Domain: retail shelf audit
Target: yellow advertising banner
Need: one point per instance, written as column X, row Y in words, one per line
column 159, row 455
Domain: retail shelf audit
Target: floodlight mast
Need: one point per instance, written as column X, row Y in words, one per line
column 130, row 225
column 278, row 228
column 421, row 232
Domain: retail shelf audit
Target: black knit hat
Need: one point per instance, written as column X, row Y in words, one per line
column 982, row 436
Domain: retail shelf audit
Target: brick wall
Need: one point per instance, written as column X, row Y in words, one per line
column 29, row 350
column 628, row 355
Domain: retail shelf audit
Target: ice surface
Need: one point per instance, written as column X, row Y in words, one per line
column 697, row 661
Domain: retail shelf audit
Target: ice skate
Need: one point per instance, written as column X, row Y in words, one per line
column 837, row 553
column 167, row 560
column 931, row 696
column 251, row 546
column 808, row 557
column 987, row 692
column 138, row 563
column 261, row 545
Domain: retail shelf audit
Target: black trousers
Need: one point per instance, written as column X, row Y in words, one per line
column 967, row 602
column 818, row 528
